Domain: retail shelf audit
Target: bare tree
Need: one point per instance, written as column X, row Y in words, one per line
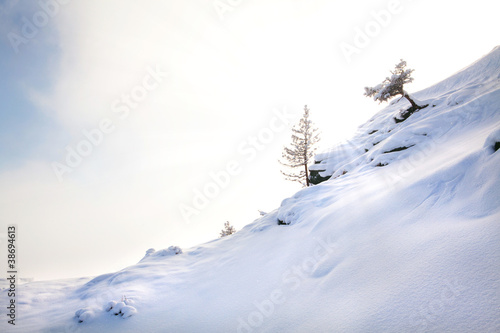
column 228, row 230
column 302, row 149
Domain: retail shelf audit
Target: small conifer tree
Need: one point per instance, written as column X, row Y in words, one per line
column 228, row 230
column 301, row 151
column 393, row 86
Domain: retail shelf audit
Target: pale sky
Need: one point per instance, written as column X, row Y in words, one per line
column 160, row 96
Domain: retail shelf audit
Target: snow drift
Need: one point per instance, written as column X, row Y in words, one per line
column 403, row 237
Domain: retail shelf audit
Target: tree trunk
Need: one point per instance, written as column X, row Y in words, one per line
column 403, row 115
column 307, row 175
column 414, row 105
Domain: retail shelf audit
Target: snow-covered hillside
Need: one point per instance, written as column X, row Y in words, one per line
column 404, row 237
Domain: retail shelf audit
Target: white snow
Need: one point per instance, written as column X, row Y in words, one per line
column 128, row 311
column 171, row 251
column 110, row 306
column 117, row 308
column 410, row 246
column 85, row 316
column 493, row 138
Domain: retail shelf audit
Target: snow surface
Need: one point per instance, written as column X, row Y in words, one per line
column 409, row 246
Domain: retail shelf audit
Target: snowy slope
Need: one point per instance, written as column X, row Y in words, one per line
column 411, row 245
column 457, row 103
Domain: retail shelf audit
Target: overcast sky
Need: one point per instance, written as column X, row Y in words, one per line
column 117, row 114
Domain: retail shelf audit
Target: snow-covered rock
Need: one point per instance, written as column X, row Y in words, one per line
column 110, row 306
column 170, row 251
column 128, row 311
column 492, row 142
column 116, row 310
column 84, row 314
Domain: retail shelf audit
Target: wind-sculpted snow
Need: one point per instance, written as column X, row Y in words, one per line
column 171, row 251
column 404, row 237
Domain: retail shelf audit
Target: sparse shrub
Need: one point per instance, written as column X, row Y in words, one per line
column 228, row 230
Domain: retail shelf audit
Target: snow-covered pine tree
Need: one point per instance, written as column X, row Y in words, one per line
column 228, row 230
column 302, row 149
column 393, row 86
